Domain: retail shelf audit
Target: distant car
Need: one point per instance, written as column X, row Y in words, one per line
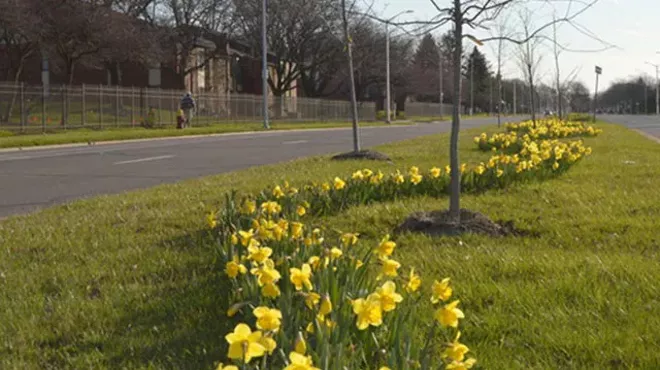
column 549, row 113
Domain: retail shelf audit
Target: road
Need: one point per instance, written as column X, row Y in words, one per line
column 650, row 125
column 34, row 179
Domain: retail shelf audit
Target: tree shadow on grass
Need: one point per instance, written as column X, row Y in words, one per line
column 183, row 323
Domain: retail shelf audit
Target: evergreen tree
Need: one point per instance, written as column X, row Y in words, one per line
column 481, row 78
column 424, row 74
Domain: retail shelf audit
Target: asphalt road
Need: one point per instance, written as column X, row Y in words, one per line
column 34, row 179
column 647, row 124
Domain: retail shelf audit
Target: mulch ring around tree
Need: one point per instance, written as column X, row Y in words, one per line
column 438, row 223
column 361, row 155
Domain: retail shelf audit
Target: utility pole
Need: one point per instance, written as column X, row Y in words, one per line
column 388, row 91
column 472, row 83
column 490, row 109
column 657, row 88
column 441, row 74
column 264, row 64
column 598, row 73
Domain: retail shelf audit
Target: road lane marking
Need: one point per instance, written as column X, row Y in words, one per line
column 149, row 159
column 294, row 142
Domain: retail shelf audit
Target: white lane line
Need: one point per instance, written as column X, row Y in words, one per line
column 294, row 142
column 15, row 158
column 149, row 159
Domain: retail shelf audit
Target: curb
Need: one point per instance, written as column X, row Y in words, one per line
column 647, row 135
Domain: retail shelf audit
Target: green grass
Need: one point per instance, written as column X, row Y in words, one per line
column 112, row 134
column 129, row 281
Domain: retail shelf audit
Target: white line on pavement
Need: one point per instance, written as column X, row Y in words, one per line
column 294, row 142
column 149, row 159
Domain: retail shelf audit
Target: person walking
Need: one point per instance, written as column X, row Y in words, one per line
column 188, row 105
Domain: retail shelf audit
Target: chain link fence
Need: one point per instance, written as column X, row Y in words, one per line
column 26, row 109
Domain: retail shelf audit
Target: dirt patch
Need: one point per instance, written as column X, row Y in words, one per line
column 438, row 223
column 361, row 155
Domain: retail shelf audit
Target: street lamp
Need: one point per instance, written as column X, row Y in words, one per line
column 598, row 71
column 264, row 63
column 387, row 63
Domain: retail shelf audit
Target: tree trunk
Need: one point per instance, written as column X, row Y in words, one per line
column 351, row 76
column 17, row 78
column 531, row 94
column 455, row 182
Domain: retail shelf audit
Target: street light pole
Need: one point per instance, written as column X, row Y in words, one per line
column 388, row 97
column 388, row 88
column 264, row 64
column 598, row 70
column 472, row 83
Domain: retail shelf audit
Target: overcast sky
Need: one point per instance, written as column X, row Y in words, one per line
column 631, row 25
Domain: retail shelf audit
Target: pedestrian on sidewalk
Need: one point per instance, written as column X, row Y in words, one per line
column 188, row 105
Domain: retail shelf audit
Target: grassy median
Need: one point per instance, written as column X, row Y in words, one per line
column 129, row 281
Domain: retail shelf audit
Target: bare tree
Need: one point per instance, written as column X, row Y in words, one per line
column 474, row 14
column 501, row 29
column 299, row 36
column 17, row 35
column 345, row 11
column 196, row 24
column 529, row 57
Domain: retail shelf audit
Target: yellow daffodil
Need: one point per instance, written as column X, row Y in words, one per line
column 228, row 367
column 335, row 253
column 300, row 362
column 388, row 296
column 390, row 267
column 296, row 230
column 211, row 220
column 398, row 178
column 448, row 170
column 244, row 344
column 312, row 299
column 233, row 268
column 266, row 273
column 339, row 184
column 301, row 277
column 358, row 175
column 234, row 239
column 499, row 172
column 277, row 192
column 376, row 178
column 386, row 247
column 270, row 290
column 463, row 167
column 358, row 264
column 301, row 211
column 416, row 179
column 414, row 282
column 271, row 208
column 246, row 237
column 269, row 344
column 441, row 291
column 456, row 351
column 268, row 318
column 314, row 261
column 461, row 365
column 326, row 187
column 368, row 311
column 414, row 170
column 326, row 306
column 480, row 169
column 449, row 314
column 435, row 172
column 300, row 345
column 367, row 172
column 259, row 254
column 349, row 239
column 555, row 165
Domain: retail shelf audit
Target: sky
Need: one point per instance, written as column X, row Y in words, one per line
column 632, row 26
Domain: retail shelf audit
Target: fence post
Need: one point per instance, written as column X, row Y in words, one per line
column 132, row 106
column 43, row 109
column 63, row 95
column 22, row 104
column 173, row 108
column 83, row 108
column 116, row 105
column 101, row 106
column 160, row 98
